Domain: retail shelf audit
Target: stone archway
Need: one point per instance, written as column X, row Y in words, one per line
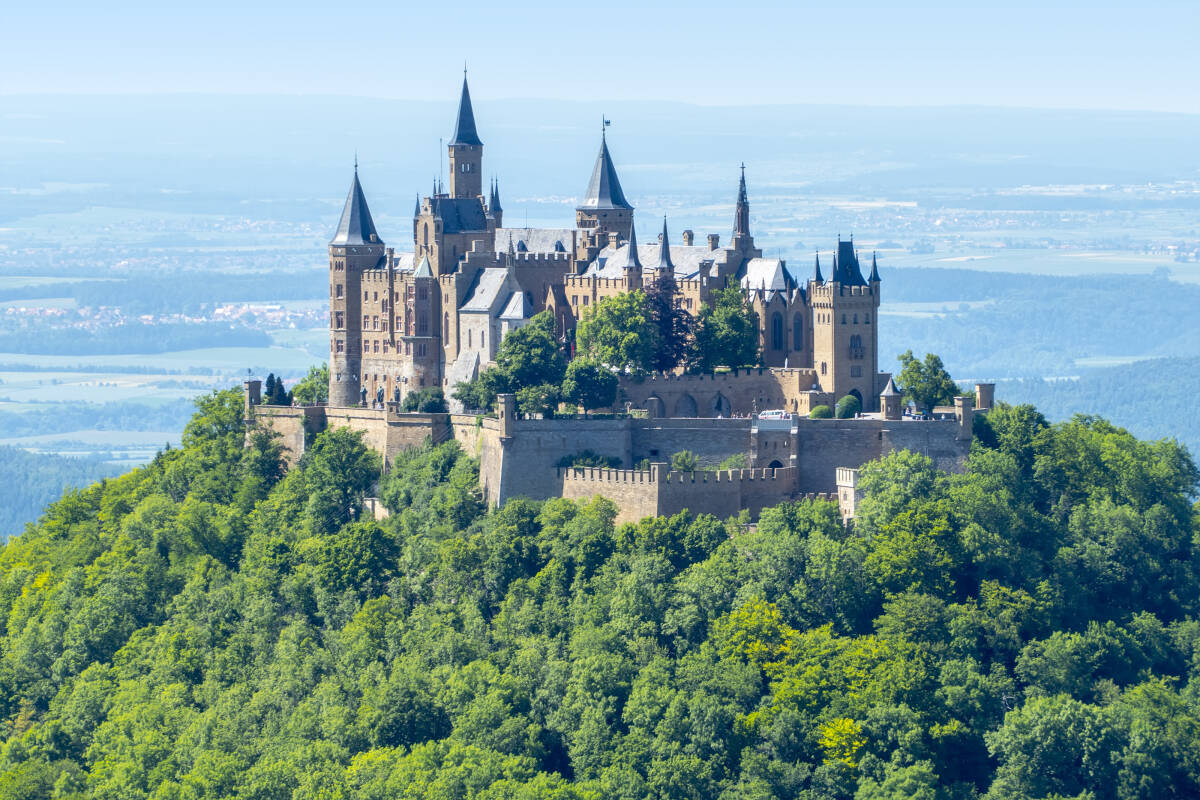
column 685, row 406
column 720, row 406
column 655, row 408
column 776, row 464
column 858, row 395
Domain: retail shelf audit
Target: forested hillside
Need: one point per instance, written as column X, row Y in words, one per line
column 210, row 626
column 29, row 481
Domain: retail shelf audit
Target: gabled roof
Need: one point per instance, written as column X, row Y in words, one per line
column 604, row 189
column 464, row 127
column 491, row 284
column 766, row 273
column 356, row 225
column 537, row 240
column 890, row 390
column 517, row 308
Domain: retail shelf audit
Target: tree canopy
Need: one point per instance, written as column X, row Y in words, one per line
column 620, row 332
column 726, row 333
column 925, row 383
column 215, row 625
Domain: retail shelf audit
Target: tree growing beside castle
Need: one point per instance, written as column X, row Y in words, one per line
column 925, row 383
column 620, row 332
column 726, row 333
column 672, row 324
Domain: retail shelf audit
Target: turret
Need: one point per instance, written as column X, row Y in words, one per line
column 466, row 151
column 355, row 247
column 817, row 276
column 889, row 401
column 664, row 252
column 495, row 210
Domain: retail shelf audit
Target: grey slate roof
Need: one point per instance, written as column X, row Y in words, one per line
column 356, row 225
column 889, row 390
column 874, row 268
column 817, row 276
column 604, row 189
column 459, row 214
column 664, row 250
column 464, row 127
column 689, row 262
column 517, row 308
column 766, row 273
column 404, row 262
column 847, row 270
column 489, row 286
column 537, row 240
column 424, row 269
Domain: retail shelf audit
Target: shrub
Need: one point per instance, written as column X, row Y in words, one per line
column 430, row 400
column 684, row 461
column 847, row 407
column 589, row 458
column 735, row 461
column 821, row 412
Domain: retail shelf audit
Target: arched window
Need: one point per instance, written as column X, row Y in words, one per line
column 470, row 337
column 776, row 331
column 867, row 320
column 446, row 326
column 856, row 319
column 425, row 236
column 843, row 319
column 797, row 332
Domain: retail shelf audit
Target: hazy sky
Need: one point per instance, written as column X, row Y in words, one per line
column 1128, row 55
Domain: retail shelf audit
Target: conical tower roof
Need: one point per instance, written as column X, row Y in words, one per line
column 495, row 203
column 464, row 128
column 817, row 276
column 874, row 268
column 890, row 390
column 604, row 189
column 356, row 226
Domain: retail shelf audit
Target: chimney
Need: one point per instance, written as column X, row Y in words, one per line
column 687, row 238
column 714, row 241
column 614, row 239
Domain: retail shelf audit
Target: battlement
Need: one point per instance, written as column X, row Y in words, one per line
column 826, row 291
column 591, row 281
column 541, row 259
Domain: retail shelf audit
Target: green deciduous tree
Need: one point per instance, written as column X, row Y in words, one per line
column 313, row 387
column 589, row 384
column 620, row 333
column 726, row 333
column 672, row 322
column 925, row 383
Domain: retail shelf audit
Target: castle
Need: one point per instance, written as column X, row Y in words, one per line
column 435, row 317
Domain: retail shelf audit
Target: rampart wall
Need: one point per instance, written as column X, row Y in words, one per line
column 739, row 392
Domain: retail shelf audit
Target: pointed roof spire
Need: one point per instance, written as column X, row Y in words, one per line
column 604, row 189
column 495, row 204
column 424, row 268
column 356, row 226
column 417, row 207
column 664, row 250
column 817, row 276
column 874, row 268
column 742, row 185
column 464, row 128
column 890, row 390
column 631, row 253
column 741, row 213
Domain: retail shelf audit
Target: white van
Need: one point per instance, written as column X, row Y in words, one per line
column 776, row 413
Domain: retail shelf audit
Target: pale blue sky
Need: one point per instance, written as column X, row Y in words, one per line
column 1048, row 54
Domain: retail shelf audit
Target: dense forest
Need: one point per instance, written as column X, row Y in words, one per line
column 29, row 481
column 215, row 626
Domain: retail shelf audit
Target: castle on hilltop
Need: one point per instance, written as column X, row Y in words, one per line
column 435, row 316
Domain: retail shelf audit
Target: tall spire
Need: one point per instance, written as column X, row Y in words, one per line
column 495, row 203
column 417, row 207
column 874, row 268
column 817, row 276
column 464, row 128
column 664, row 251
column 356, row 226
column 741, row 215
column 604, row 189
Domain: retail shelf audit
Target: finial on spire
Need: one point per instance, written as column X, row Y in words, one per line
column 356, row 161
column 604, row 123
